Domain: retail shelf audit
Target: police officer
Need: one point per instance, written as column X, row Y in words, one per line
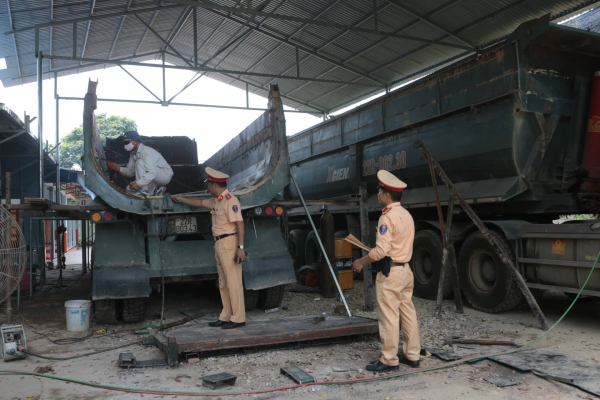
column 228, row 232
column 395, row 236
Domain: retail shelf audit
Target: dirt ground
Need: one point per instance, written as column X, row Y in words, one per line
column 576, row 336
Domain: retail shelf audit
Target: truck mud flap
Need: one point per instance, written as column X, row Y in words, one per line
column 268, row 272
column 120, row 282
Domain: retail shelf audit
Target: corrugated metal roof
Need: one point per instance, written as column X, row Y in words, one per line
column 327, row 52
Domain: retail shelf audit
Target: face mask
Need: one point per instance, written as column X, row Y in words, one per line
column 129, row 146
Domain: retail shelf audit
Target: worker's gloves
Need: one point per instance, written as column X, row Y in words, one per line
column 114, row 166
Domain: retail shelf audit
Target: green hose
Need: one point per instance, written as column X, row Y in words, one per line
column 410, row 372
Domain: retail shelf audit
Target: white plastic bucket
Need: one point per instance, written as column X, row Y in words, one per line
column 78, row 315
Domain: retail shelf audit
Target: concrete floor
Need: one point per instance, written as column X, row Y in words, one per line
column 44, row 314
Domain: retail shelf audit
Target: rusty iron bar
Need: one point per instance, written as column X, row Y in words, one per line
column 449, row 255
column 499, row 249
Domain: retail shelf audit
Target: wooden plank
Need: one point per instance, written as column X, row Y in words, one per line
column 199, row 338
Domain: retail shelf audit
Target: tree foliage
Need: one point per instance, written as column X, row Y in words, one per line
column 71, row 148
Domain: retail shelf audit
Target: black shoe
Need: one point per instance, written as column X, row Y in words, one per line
column 217, row 323
column 413, row 364
column 233, row 325
column 381, row 367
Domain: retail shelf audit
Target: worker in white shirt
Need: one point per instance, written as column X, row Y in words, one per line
column 151, row 171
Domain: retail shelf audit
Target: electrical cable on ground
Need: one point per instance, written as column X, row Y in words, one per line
column 80, row 355
column 379, row 378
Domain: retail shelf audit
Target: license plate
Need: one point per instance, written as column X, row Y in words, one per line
column 186, row 225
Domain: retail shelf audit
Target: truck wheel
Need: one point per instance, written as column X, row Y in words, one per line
column 105, row 311
column 426, row 265
column 296, row 243
column 487, row 283
column 250, row 299
column 271, row 297
column 311, row 249
column 134, row 310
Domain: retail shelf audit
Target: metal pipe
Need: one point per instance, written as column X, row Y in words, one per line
column 57, row 150
column 164, row 78
column 297, row 63
column 247, row 97
column 375, row 24
column 40, row 59
column 195, row 22
column 141, row 84
column 337, row 284
column 13, row 136
column 74, row 39
column 209, row 69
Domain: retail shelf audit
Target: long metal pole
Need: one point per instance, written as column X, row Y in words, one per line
column 164, row 79
column 40, row 122
column 56, row 148
column 195, row 21
column 337, row 284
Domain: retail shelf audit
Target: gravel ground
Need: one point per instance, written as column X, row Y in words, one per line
column 576, row 336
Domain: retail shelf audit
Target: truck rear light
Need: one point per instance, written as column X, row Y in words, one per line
column 96, row 217
column 269, row 210
column 279, row 210
column 108, row 216
column 258, row 211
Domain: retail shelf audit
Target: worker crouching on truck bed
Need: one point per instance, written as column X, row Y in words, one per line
column 228, row 232
column 395, row 281
column 151, row 171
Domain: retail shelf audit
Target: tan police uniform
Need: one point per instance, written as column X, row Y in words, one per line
column 226, row 211
column 395, row 236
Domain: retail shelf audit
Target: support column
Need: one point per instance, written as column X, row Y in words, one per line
column 364, row 237
column 40, row 121
column 83, row 246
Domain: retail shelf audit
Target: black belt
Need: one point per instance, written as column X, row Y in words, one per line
column 395, row 264
column 217, row 238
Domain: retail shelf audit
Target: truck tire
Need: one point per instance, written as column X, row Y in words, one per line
column 250, row 299
column 271, row 297
column 134, row 310
column 105, row 311
column 426, row 264
column 296, row 243
column 312, row 249
column 487, row 283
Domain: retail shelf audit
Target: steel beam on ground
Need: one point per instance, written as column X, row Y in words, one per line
column 141, row 84
column 207, row 69
column 248, row 11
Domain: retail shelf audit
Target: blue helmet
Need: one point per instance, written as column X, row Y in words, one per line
column 133, row 135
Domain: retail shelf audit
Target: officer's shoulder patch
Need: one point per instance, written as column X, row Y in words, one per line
column 235, row 209
column 385, row 211
column 383, row 229
column 228, row 196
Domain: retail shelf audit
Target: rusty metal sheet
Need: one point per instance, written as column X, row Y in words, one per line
column 200, row 338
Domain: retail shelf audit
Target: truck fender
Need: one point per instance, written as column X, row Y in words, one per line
column 509, row 228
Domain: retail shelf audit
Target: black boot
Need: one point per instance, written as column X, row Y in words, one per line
column 233, row 325
column 217, row 323
column 381, row 367
column 406, row 361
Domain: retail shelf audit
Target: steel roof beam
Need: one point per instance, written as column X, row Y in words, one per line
column 178, row 26
column 306, row 50
column 50, row 36
column 207, row 69
column 10, row 21
column 114, row 43
column 87, row 31
column 140, row 83
column 429, row 22
column 300, row 29
column 249, row 11
column 92, row 18
column 147, row 28
column 63, row 69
